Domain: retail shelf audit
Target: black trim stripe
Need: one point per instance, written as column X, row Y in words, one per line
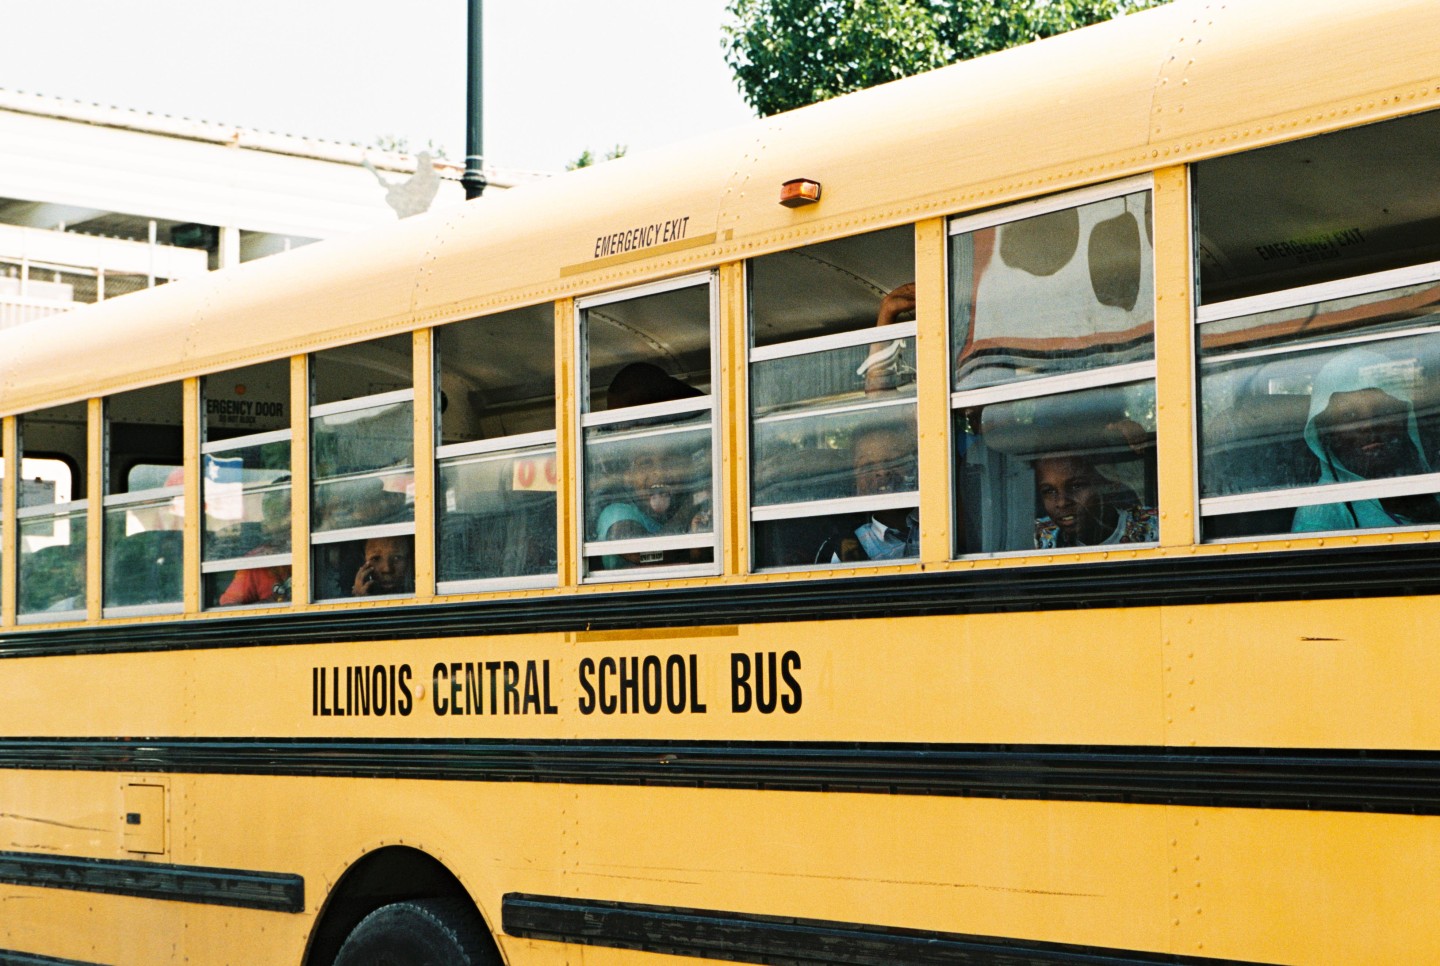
column 1374, row 572
column 273, row 891
column 750, row 938
column 11, row 957
column 1393, row 782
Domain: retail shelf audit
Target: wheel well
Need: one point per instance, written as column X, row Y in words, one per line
column 391, row 874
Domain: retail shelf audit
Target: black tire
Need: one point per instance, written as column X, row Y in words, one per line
column 422, row 932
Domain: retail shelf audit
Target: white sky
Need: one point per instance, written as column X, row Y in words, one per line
column 560, row 75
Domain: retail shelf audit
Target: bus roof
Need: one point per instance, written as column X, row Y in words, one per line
column 1176, row 84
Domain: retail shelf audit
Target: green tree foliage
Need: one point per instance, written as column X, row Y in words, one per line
column 789, row 53
column 587, row 158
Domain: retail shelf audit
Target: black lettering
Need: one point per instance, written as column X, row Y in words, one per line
column 607, row 669
column 789, row 664
column 587, row 700
column 512, row 687
column 695, row 706
column 455, row 686
column 765, row 703
column 439, row 699
column 549, row 708
column 407, row 700
column 651, row 697
column 380, row 682
column 740, row 696
column 532, row 688
column 675, row 683
column 359, row 693
column 474, row 689
column 492, row 667
column 629, row 685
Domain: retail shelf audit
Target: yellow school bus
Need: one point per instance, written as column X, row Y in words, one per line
column 984, row 519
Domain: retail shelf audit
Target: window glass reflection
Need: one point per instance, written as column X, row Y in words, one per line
column 498, row 515
column 52, row 566
column 1055, row 472
column 496, row 469
column 363, row 467
column 649, row 478
column 1278, row 427
column 1061, row 292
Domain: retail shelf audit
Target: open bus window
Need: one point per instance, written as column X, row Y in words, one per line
column 245, row 548
column 1052, row 313
column 1320, row 291
column 496, row 459
column 1059, row 471
column 144, row 501
column 832, row 397
column 382, row 565
column 51, row 516
column 648, row 427
column 362, row 455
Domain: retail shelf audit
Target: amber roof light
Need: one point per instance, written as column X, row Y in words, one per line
column 798, row 192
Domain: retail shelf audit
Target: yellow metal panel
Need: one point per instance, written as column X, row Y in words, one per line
column 423, row 355
column 1254, row 884
column 1174, row 356
column 145, row 818
column 1321, row 888
column 194, row 504
column 732, row 516
column 1312, row 674
column 932, row 380
column 97, row 459
column 9, row 531
column 1087, row 677
column 131, row 931
column 300, row 480
column 1243, row 74
column 567, row 444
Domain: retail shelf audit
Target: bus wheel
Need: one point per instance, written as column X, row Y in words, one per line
column 422, row 932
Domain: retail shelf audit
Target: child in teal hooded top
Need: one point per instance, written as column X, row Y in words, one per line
column 1362, row 427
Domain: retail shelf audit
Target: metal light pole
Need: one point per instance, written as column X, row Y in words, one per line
column 474, row 177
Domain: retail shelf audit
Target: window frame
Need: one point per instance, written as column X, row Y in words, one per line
column 318, row 538
column 1128, row 373
column 1290, row 498
column 586, row 419
column 253, row 561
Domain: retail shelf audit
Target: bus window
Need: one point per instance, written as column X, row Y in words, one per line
column 832, row 399
column 362, row 466
column 496, row 458
column 1320, row 292
column 1052, row 324
column 648, row 426
column 144, row 501
column 51, row 514
column 245, row 486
